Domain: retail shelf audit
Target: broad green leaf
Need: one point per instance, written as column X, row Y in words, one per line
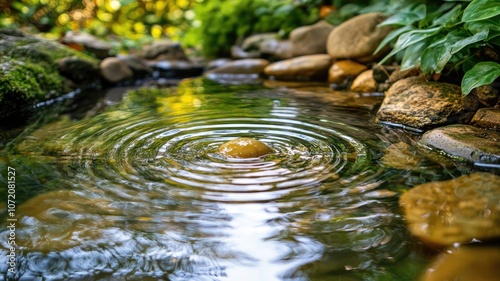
column 406, row 18
column 391, row 36
column 481, row 9
column 450, row 17
column 459, row 45
column 481, row 74
column 434, row 59
column 413, row 54
column 283, row 10
column 492, row 24
column 410, row 38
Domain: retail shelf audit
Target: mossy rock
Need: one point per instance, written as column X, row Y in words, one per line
column 29, row 72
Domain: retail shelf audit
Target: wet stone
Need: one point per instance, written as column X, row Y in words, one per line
column 488, row 118
column 364, row 82
column 244, row 148
column 312, row 67
column 454, row 211
column 400, row 156
column 344, row 70
column 465, row 141
column 469, row 263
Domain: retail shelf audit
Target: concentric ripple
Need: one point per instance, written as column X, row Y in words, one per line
column 140, row 190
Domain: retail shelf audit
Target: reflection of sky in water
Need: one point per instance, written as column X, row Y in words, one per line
column 141, row 191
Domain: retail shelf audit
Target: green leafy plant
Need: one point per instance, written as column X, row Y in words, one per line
column 448, row 37
column 220, row 24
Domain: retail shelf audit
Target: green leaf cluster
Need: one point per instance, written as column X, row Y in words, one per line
column 220, row 24
column 447, row 35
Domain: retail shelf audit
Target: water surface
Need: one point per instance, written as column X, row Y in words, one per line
column 137, row 190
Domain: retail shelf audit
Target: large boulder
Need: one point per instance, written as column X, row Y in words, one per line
column 417, row 103
column 29, row 70
column 312, row 67
column 357, row 38
column 310, row 39
column 454, row 211
column 465, row 141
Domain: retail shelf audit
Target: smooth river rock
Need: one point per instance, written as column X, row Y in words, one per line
column 244, row 148
column 364, row 82
column 115, row 70
column 465, row 141
column 454, row 211
column 241, row 66
column 310, row 39
column 467, row 263
column 312, row 67
column 357, row 38
column 417, row 103
column 344, row 70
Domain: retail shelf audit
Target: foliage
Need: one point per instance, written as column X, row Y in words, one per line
column 447, row 36
column 128, row 18
column 220, row 24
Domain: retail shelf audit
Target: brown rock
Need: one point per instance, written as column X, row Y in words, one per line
column 89, row 43
column 310, row 67
column 244, row 148
column 487, row 95
column 238, row 53
column 364, row 83
column 254, row 42
column 311, row 39
column 357, row 38
column 416, row 103
column 342, row 70
column 488, row 118
column 454, row 211
column 465, row 141
column 400, row 156
column 139, row 66
column 467, row 263
column 242, row 66
column 277, row 49
column 78, row 70
column 114, row 70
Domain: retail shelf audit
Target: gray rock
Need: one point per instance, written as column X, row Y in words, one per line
column 238, row 53
column 78, row 70
column 254, row 42
column 163, row 50
column 465, row 141
column 88, row 42
column 115, row 70
column 243, row 66
column 311, row 39
column 419, row 104
column 139, row 66
column 357, row 38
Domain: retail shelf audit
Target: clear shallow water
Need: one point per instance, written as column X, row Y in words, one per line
column 139, row 192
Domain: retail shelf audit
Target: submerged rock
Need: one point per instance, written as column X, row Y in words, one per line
column 244, row 148
column 357, row 38
column 312, row 67
column 416, row 103
column 454, row 211
column 465, row 141
column 467, row 263
column 310, row 39
column 400, row 156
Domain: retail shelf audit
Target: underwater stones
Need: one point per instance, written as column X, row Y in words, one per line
column 488, row 118
column 343, row 70
column 466, row 263
column 244, row 148
column 465, row 141
column 310, row 39
column 364, row 82
column 454, row 211
column 115, row 70
column 357, row 38
column 417, row 103
column 400, row 156
column 312, row 67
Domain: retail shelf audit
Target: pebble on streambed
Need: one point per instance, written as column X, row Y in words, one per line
column 244, row 148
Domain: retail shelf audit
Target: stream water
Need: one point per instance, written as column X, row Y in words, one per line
column 137, row 190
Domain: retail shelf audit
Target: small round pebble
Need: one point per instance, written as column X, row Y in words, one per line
column 244, row 148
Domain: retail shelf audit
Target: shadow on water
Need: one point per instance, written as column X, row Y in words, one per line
column 135, row 190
